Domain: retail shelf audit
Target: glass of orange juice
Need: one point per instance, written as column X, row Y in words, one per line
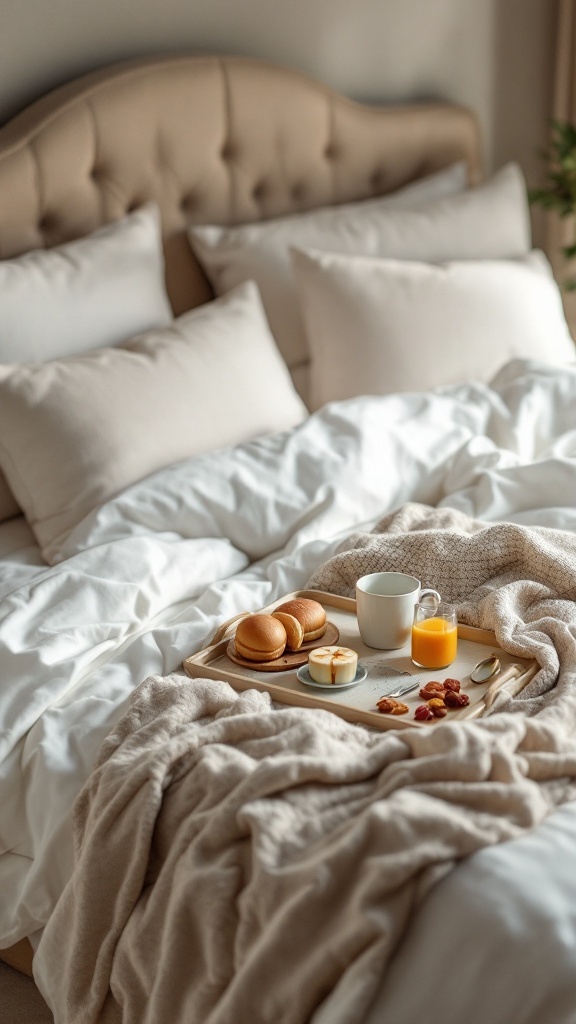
column 434, row 635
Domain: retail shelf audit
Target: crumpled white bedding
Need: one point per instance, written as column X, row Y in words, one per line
column 147, row 578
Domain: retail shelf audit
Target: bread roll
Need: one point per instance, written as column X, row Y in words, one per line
column 260, row 638
column 294, row 631
column 310, row 615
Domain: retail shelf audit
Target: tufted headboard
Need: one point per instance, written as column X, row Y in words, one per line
column 212, row 140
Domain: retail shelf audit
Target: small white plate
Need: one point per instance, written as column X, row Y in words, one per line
column 304, row 677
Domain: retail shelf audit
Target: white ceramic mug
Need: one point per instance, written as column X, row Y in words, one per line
column 385, row 608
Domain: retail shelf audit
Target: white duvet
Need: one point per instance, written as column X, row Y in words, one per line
column 147, row 578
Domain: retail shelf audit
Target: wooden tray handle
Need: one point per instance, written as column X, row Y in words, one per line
column 513, row 671
column 223, row 629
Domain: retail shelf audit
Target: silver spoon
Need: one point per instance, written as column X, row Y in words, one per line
column 485, row 669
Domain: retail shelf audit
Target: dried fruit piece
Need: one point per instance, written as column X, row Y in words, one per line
column 400, row 708
column 452, row 684
column 390, row 706
column 438, row 707
column 456, row 700
column 423, row 713
column 432, row 689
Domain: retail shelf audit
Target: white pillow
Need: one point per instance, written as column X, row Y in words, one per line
column 92, row 292
column 96, row 291
column 491, row 221
column 377, row 326
column 76, row 431
column 231, row 256
column 446, row 182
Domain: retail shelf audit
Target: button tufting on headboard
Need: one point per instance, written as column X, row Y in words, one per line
column 259, row 191
column 48, row 223
column 378, row 180
column 189, row 203
column 228, row 152
column 298, row 192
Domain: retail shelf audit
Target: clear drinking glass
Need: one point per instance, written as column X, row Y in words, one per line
column 434, row 635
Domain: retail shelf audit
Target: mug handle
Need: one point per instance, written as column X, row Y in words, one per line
column 430, row 593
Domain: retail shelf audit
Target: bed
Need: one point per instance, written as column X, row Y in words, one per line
column 127, row 559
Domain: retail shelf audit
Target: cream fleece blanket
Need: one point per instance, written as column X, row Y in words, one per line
column 237, row 864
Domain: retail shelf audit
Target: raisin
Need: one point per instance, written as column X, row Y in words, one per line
column 456, row 700
column 452, row 684
column 432, row 689
column 423, row 713
column 437, row 707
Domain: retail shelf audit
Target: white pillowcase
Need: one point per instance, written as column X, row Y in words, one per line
column 92, row 292
column 491, row 221
column 95, row 291
column 377, row 326
column 76, row 431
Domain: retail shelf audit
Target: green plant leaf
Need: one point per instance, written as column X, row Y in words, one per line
column 559, row 191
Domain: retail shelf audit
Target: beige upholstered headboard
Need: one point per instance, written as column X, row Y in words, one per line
column 212, row 140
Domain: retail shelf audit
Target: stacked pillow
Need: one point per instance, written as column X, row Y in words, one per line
column 261, row 252
column 396, row 325
column 76, row 431
column 100, row 387
column 378, row 287
column 99, row 290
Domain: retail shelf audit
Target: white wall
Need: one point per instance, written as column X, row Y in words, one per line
column 494, row 55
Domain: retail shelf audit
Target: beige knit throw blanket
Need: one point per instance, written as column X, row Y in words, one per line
column 237, row 864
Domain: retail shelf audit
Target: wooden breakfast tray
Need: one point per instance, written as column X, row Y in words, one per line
column 385, row 668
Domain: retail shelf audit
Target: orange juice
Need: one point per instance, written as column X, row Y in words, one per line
column 434, row 642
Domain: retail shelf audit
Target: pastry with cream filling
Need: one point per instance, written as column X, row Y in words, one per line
column 332, row 665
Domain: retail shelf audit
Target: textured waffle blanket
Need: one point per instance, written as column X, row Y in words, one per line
column 237, row 864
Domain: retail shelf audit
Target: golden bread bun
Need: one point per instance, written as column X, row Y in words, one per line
column 294, row 631
column 310, row 615
column 260, row 638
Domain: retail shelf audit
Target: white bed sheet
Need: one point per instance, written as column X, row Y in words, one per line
column 148, row 577
column 495, row 941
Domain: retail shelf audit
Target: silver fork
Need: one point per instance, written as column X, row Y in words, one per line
column 399, row 691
